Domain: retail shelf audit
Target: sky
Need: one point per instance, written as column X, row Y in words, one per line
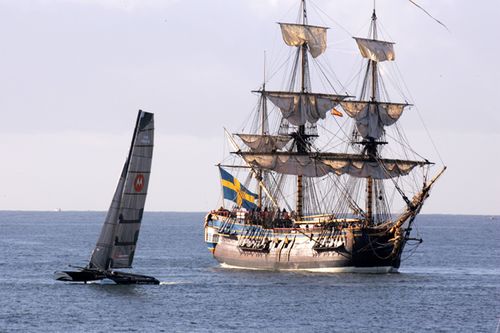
column 73, row 74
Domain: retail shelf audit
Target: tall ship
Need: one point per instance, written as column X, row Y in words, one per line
column 321, row 181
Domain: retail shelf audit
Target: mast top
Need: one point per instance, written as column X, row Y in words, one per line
column 304, row 12
column 374, row 24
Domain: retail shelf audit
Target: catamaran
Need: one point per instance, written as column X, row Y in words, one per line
column 117, row 242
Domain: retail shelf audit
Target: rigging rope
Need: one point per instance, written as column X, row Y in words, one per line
column 428, row 14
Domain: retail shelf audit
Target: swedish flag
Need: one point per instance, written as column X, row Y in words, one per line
column 234, row 191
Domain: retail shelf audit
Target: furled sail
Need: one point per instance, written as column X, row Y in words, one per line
column 117, row 241
column 320, row 164
column 379, row 169
column 376, row 50
column 299, row 108
column 302, row 165
column 260, row 143
column 372, row 117
column 300, row 34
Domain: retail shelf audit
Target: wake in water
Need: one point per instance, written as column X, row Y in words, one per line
column 171, row 283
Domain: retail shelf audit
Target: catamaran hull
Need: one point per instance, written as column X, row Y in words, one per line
column 78, row 276
column 127, row 278
column 87, row 275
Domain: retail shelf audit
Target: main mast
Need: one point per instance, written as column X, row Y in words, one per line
column 301, row 133
column 299, row 107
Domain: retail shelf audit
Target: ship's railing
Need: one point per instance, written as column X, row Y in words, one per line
column 231, row 222
column 267, row 218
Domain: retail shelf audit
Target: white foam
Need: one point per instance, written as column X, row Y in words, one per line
column 168, row 283
column 226, row 266
column 105, row 282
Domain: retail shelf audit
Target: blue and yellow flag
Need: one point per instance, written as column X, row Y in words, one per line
column 234, row 191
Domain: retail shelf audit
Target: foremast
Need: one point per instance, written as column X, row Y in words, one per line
column 376, row 51
column 372, row 115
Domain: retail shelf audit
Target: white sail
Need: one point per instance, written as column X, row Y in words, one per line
column 289, row 164
column 300, row 108
column 376, row 50
column 318, row 165
column 372, row 117
column 262, row 143
column 300, row 34
column 375, row 169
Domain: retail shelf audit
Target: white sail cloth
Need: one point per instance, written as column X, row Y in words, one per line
column 376, row 50
column 300, row 34
column 301, row 108
column 372, row 117
column 375, row 170
column 312, row 166
column 289, row 164
column 263, row 143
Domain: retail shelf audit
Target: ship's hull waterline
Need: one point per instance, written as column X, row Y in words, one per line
column 350, row 250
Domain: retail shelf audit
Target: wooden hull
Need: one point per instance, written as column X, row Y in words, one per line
column 350, row 250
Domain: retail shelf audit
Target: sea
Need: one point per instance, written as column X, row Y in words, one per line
column 449, row 283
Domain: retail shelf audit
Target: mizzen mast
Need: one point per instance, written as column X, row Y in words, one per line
column 263, row 127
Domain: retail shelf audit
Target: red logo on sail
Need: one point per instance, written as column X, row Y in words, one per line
column 139, row 182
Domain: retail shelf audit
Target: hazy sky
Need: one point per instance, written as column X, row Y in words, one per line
column 73, row 74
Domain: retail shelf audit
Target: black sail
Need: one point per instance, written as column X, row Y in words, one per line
column 117, row 242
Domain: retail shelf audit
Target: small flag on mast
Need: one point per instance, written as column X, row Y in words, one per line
column 336, row 112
